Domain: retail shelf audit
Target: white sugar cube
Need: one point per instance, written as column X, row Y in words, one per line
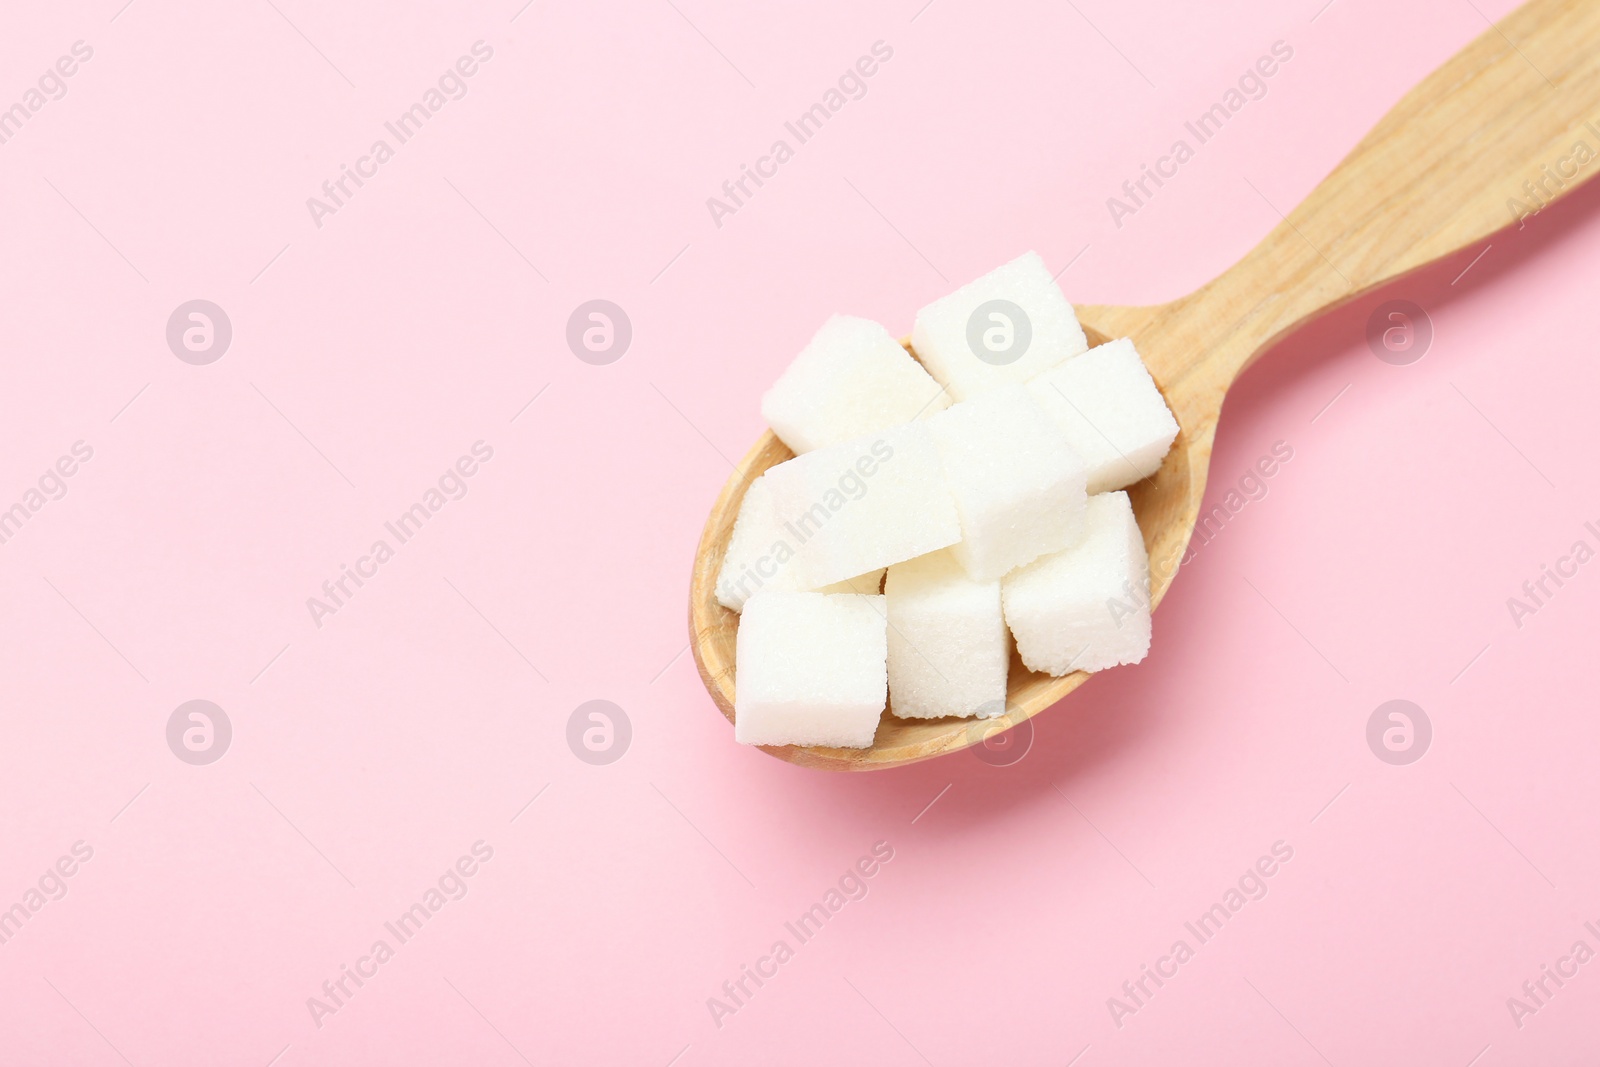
column 852, row 508
column 949, row 650
column 758, row 557
column 1087, row 608
column 810, row 669
column 1018, row 485
column 759, row 553
column 853, row 378
column 1010, row 325
column 1110, row 409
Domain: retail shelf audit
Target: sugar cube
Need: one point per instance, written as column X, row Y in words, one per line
column 1087, row 608
column 1110, row 409
column 854, row 507
column 853, row 378
column 810, row 669
column 949, row 650
column 1019, row 487
column 758, row 556
column 1010, row 325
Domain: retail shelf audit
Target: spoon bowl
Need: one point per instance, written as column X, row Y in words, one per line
column 1440, row 173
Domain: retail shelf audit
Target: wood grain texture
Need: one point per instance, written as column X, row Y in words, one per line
column 1442, row 171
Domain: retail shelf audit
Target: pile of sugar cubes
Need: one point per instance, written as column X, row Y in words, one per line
column 937, row 510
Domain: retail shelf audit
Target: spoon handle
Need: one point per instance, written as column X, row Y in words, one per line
column 1510, row 123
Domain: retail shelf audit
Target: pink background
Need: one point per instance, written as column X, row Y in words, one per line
column 372, row 752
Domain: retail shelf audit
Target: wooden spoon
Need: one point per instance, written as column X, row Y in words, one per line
column 1444, row 169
